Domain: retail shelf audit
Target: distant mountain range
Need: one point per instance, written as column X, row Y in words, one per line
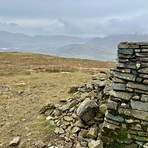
column 67, row 46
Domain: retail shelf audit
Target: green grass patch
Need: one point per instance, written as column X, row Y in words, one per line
column 45, row 127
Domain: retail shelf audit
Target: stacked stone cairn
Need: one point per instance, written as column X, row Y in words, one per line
column 78, row 120
column 111, row 111
column 127, row 115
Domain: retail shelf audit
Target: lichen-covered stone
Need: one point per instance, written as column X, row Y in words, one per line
column 144, row 98
column 138, row 105
column 118, row 86
column 93, row 132
column 137, row 86
column 145, row 134
column 114, row 117
column 143, row 70
column 134, row 113
column 130, row 65
column 126, row 48
column 112, row 104
column 124, row 76
column 139, row 138
column 128, row 99
column 121, row 95
column 110, row 125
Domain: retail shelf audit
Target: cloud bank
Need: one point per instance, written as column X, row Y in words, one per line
column 85, row 17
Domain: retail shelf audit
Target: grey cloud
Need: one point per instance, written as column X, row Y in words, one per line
column 70, row 8
column 74, row 16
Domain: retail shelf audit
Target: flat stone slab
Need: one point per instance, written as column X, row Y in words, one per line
column 125, row 76
column 137, row 86
column 135, row 113
column 121, row 95
column 138, row 105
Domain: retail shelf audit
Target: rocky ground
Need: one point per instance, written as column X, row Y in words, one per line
column 21, row 98
column 78, row 121
column 42, row 110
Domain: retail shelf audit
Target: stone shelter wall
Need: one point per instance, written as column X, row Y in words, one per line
column 127, row 107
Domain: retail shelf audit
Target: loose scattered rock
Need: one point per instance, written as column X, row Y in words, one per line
column 73, row 89
column 15, row 141
column 40, row 144
column 95, row 144
column 78, row 119
column 86, row 110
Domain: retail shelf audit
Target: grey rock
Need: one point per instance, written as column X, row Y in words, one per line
column 135, row 113
column 143, row 76
column 93, row 132
column 124, row 76
column 84, row 144
column 145, row 145
column 143, row 64
column 84, row 95
column 136, row 97
column 89, row 86
column 79, row 123
column 138, row 105
column 83, row 133
column 67, row 118
column 118, row 86
column 112, row 104
column 110, row 125
column 40, row 144
column 114, row 118
column 143, row 70
column 127, row 65
column 137, row 86
column 145, row 134
column 78, row 145
column 75, row 129
column 73, row 89
column 59, row 130
column 67, row 106
column 95, row 144
column 128, row 45
column 144, row 98
column 103, row 108
column 125, row 51
column 49, row 106
column 15, row 141
column 86, row 110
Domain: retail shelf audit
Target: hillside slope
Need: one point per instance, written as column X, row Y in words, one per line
column 27, row 82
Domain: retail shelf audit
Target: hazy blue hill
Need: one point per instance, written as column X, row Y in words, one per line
column 58, row 39
column 84, row 51
column 110, row 42
column 11, row 40
column 38, row 43
column 67, row 46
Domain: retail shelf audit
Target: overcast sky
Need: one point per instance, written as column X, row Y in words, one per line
column 74, row 17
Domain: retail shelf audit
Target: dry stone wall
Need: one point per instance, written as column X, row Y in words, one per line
column 127, row 112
